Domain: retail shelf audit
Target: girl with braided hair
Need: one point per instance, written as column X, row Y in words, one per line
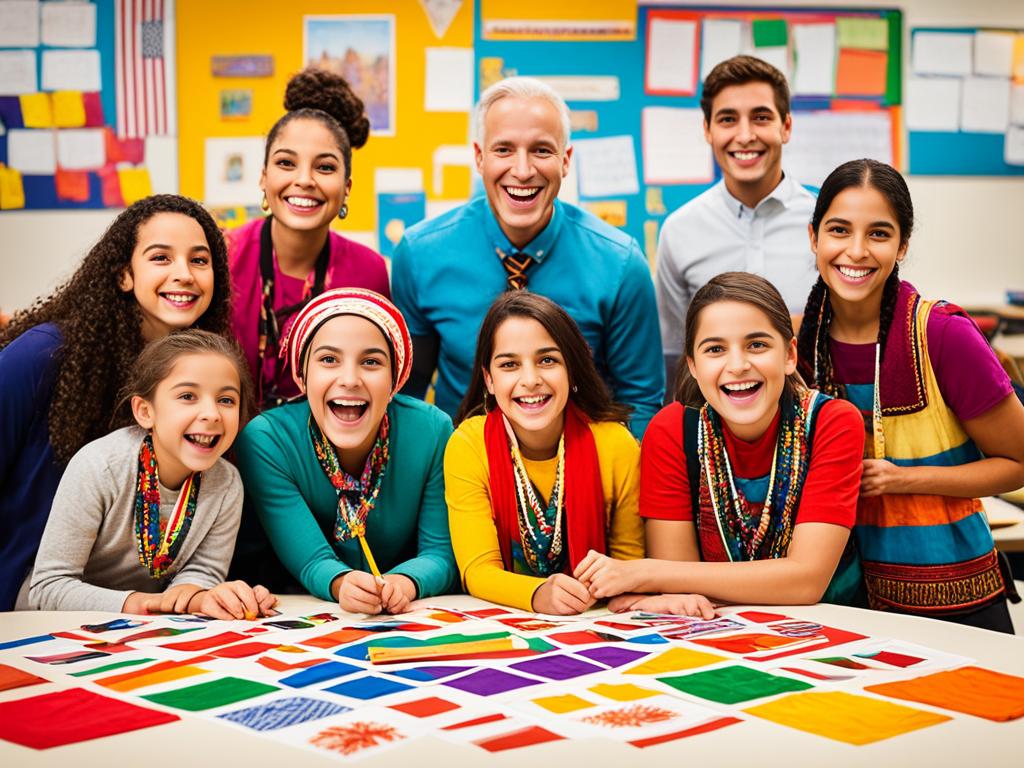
column 943, row 425
column 160, row 266
column 748, row 483
column 280, row 262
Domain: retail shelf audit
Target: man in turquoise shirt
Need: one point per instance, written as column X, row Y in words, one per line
column 446, row 272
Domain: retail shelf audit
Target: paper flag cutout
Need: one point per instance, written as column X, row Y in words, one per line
column 441, row 13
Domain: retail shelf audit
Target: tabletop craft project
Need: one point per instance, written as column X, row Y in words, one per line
column 494, row 679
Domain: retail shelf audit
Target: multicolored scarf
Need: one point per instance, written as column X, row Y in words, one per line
column 157, row 552
column 770, row 534
column 356, row 496
column 579, row 494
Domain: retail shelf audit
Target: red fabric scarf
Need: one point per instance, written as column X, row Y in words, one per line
column 584, row 495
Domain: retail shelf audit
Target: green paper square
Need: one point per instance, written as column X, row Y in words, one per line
column 731, row 685
column 864, row 33
column 215, row 693
column 769, row 32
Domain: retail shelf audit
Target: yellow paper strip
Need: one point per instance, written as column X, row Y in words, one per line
column 163, row 676
column 12, row 190
column 568, row 702
column 623, row 691
column 424, row 653
column 674, row 660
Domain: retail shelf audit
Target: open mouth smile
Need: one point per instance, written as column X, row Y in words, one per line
column 204, row 442
column 521, row 196
column 854, row 275
column 303, row 205
column 532, row 403
column 348, row 410
column 741, row 391
column 180, row 300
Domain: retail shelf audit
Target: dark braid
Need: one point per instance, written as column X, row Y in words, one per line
column 888, row 308
column 807, row 338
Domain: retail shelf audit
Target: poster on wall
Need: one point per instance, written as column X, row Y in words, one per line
column 362, row 50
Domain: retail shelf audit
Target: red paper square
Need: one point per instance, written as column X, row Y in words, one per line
column 93, row 110
column 224, row 638
column 70, row 716
column 12, row 677
column 425, row 707
column 110, row 183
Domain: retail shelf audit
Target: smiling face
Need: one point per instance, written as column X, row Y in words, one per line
column 193, row 415
column 305, row 179
column 746, row 134
column 856, row 247
column 522, row 160
column 529, row 380
column 170, row 274
column 740, row 362
column 348, row 384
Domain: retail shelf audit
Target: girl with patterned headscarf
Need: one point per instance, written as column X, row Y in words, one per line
column 347, row 481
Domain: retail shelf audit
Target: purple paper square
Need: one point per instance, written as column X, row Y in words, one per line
column 612, row 656
column 488, row 682
column 557, row 667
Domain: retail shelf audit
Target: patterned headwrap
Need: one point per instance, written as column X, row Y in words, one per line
column 350, row 301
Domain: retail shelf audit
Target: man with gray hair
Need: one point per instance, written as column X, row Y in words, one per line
column 447, row 271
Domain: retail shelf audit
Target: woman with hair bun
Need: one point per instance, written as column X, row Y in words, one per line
column 282, row 261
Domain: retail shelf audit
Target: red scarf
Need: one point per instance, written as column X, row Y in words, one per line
column 584, row 495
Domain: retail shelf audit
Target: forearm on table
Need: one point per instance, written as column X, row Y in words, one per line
column 781, row 581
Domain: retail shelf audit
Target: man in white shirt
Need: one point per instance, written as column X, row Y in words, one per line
column 755, row 219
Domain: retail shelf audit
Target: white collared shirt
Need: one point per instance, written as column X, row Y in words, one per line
column 715, row 233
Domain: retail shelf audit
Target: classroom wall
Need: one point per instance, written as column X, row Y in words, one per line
column 965, row 246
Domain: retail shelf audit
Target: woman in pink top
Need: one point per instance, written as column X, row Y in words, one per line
column 280, row 262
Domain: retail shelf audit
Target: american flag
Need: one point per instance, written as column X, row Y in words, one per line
column 144, row 67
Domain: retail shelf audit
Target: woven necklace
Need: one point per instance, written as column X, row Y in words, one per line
column 157, row 552
column 356, row 496
column 540, row 527
column 769, row 535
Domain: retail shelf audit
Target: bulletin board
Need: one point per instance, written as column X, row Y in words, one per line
column 416, row 167
column 965, row 101
column 631, row 100
column 65, row 143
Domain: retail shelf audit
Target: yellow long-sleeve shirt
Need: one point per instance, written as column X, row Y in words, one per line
column 475, row 537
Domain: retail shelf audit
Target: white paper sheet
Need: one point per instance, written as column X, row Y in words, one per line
column 162, row 162
column 606, row 166
column 69, row 24
column 19, row 23
column 569, row 192
column 933, row 103
column 584, row 87
column 993, row 53
column 823, row 140
column 32, row 151
column 776, row 55
column 670, row 56
column 985, row 104
column 674, row 148
column 397, row 180
column 232, row 170
column 81, row 149
column 942, row 53
column 815, row 59
column 449, row 154
column 722, row 39
column 1017, row 104
column 71, row 70
column 449, row 80
column 17, row 72
column 1013, row 149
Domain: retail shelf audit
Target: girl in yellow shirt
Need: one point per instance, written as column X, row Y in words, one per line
column 540, row 469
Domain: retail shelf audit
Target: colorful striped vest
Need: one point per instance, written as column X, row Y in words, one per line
column 923, row 554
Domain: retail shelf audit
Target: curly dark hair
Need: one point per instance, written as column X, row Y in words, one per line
column 316, row 94
column 102, row 325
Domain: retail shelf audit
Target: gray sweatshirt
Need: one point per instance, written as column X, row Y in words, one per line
column 88, row 558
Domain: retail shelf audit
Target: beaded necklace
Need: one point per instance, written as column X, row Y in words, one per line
column 540, row 527
column 356, row 497
column 157, row 552
column 769, row 536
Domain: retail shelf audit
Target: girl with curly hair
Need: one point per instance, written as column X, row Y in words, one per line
column 160, row 266
column 280, row 262
column 943, row 424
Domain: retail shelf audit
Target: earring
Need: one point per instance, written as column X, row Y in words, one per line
column 343, row 211
column 264, row 205
column 575, row 389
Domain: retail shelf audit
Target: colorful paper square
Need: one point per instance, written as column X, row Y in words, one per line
column 215, row 693
column 12, row 677
column 428, row 674
column 769, row 33
column 731, row 685
column 674, row 660
column 557, row 667
column 82, row 715
column 523, row 737
column 74, row 186
column 93, row 107
column 862, row 32
column 318, row 674
column 12, row 197
column 623, row 691
column 36, row 110
column 10, row 112
column 971, row 690
column 612, row 656
column 68, row 109
column 845, row 716
column 369, row 687
column 861, row 73
column 488, row 682
column 428, row 707
column 568, row 702
column 283, row 713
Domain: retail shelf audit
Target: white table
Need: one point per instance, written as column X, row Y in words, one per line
column 1008, row 538
column 192, row 741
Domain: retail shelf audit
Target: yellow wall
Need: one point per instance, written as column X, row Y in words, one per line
column 237, row 27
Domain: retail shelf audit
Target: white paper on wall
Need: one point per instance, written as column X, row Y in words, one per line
column 993, row 53
column 17, row 72
column 933, row 103
column 71, row 70
column 1013, row 149
column 821, row 141
column 583, row 87
column 69, row 24
column 449, row 80
column 674, row 149
column 670, row 55
column 776, row 55
column 721, row 39
column 232, row 170
column 19, row 23
column 81, row 149
column 32, row 151
column 606, row 166
column 815, row 55
column 942, row 53
column 162, row 163
column 985, row 104
column 1017, row 104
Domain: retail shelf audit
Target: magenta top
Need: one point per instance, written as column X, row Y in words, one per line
column 351, row 266
column 970, row 377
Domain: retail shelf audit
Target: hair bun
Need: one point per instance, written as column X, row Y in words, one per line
column 329, row 92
